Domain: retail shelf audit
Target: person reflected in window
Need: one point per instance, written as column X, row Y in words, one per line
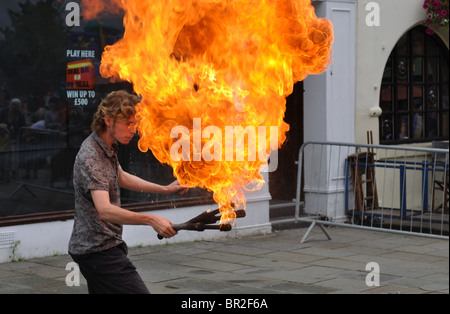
column 40, row 119
column 53, row 116
column 13, row 117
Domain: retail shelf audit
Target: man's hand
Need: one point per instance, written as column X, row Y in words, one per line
column 176, row 187
column 163, row 227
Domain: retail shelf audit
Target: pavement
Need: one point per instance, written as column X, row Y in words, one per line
column 276, row 263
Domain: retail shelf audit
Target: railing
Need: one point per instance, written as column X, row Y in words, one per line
column 387, row 188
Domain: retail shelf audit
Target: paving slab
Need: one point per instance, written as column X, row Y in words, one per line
column 275, row 263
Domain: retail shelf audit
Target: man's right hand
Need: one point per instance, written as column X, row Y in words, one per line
column 163, row 226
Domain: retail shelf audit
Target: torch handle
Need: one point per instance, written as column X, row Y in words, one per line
column 204, row 221
column 197, row 227
column 186, row 226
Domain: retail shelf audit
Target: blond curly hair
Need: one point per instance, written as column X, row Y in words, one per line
column 118, row 105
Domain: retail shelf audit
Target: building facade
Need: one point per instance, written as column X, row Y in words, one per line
column 388, row 76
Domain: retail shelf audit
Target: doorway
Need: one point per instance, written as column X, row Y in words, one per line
column 283, row 181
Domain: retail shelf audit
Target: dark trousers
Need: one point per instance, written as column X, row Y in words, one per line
column 110, row 271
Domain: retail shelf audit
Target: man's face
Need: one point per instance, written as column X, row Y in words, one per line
column 123, row 131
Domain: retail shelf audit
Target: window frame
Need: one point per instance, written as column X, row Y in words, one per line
column 65, row 215
column 414, row 87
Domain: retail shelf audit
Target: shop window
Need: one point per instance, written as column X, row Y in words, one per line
column 414, row 90
column 49, row 79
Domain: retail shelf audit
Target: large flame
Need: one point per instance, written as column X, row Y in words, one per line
column 214, row 63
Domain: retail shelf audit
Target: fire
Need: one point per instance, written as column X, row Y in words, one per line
column 227, row 63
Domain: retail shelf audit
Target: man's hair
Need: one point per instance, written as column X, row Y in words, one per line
column 118, row 105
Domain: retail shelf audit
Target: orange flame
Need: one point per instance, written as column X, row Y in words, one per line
column 217, row 63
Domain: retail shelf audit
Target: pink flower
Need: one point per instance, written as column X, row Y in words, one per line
column 437, row 12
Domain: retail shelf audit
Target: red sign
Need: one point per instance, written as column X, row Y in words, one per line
column 80, row 75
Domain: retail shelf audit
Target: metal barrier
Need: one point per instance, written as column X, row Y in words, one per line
column 377, row 187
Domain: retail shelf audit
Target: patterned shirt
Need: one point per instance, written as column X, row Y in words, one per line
column 96, row 168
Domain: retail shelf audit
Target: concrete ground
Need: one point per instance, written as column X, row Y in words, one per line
column 276, row 263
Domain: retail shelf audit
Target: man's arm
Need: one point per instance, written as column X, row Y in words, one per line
column 132, row 182
column 115, row 214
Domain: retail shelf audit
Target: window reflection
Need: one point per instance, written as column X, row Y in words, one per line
column 402, row 70
column 418, row 110
column 386, row 98
column 418, row 126
column 417, row 98
column 50, row 88
column 418, row 70
column 386, row 129
column 403, row 128
column 402, row 97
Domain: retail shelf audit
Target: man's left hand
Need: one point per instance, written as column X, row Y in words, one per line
column 176, row 187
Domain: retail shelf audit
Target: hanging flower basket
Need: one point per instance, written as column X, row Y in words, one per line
column 437, row 15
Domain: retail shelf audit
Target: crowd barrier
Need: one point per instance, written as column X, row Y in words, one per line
column 377, row 187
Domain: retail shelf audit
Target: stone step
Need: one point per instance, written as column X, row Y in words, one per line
column 282, row 215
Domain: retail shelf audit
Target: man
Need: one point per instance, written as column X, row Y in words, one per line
column 96, row 243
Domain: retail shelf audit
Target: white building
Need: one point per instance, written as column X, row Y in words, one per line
column 339, row 105
column 363, row 91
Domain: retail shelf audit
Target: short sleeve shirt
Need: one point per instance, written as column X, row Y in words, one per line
column 96, row 168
